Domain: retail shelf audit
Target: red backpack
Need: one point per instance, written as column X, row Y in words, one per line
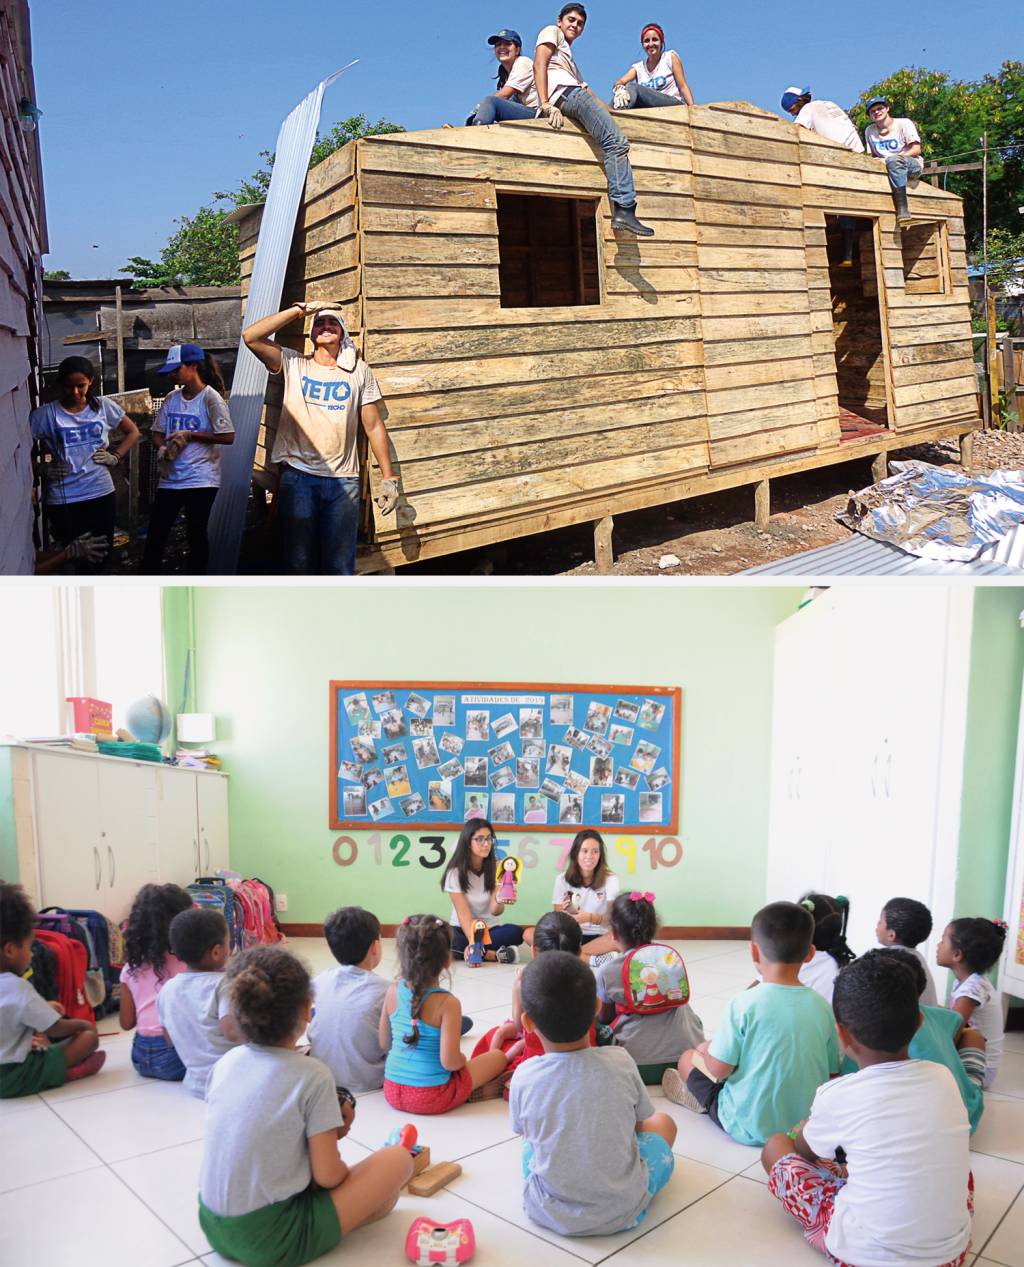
column 653, row 980
column 72, row 962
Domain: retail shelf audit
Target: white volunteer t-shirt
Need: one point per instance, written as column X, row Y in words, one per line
column 476, row 895
column 319, row 422
column 520, row 78
column 563, row 73
column 831, row 121
column 987, row 1017
column 905, row 1132
column 198, row 464
column 660, row 78
column 73, row 439
column 902, row 133
column 593, row 901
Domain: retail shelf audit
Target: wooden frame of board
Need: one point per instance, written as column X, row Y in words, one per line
column 672, row 694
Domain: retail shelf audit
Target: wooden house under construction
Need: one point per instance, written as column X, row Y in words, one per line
column 540, row 371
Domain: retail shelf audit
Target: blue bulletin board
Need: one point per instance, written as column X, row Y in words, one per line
column 524, row 756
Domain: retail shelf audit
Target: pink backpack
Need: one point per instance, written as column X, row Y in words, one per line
column 653, row 980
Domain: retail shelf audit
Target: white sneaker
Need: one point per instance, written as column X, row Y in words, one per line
column 597, row 960
column 676, row 1090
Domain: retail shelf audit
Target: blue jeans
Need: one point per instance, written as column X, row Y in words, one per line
column 319, row 523
column 498, row 109
column 655, row 1156
column 154, row 1057
column 646, row 98
column 900, row 168
column 593, row 117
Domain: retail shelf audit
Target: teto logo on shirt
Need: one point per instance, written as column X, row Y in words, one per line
column 886, row 143
column 322, row 393
column 183, row 422
column 88, row 433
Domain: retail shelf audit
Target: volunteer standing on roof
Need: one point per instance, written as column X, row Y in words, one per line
column 327, row 397
column 563, row 94
column 659, row 80
column 832, row 122
column 899, row 143
column 516, row 96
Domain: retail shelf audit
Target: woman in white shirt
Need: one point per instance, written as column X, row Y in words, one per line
column 586, row 892
column 658, row 80
column 471, row 882
column 516, row 94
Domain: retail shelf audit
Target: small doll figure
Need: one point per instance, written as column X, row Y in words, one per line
column 478, row 943
column 510, row 869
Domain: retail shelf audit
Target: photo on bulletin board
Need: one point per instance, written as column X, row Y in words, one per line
column 523, row 755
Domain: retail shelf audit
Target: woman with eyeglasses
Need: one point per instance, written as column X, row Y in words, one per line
column 472, row 883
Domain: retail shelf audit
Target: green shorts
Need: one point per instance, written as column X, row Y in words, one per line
column 285, row 1234
column 651, row 1075
column 39, row 1071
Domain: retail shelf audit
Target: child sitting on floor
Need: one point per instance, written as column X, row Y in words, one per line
column 273, row 1191
column 345, row 1030
column 900, row 1198
column 904, row 924
column 193, row 1006
column 32, row 1057
column 655, row 1040
column 776, row 1044
column 831, row 953
column 970, row 948
column 149, row 965
column 594, row 1150
column 420, row 1027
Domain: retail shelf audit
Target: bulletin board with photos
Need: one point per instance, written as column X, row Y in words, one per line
column 414, row 754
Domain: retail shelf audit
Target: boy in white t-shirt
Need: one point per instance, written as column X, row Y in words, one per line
column 833, row 123
column 899, row 143
column 903, row 1194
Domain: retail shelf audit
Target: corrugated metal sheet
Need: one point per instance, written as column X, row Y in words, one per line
column 291, row 162
column 861, row 556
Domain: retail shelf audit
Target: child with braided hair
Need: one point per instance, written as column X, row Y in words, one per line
column 425, row 1070
column 831, row 953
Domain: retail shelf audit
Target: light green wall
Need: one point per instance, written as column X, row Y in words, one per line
column 997, row 663
column 8, row 840
column 265, row 658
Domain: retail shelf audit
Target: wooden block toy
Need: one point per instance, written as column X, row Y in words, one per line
column 420, row 1161
column 434, row 1178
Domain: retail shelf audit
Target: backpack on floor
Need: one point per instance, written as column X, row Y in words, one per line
column 97, row 926
column 72, row 925
column 653, row 980
column 272, row 901
column 259, row 927
column 43, row 973
column 71, row 967
column 215, row 894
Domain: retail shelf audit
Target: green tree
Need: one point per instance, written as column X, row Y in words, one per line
column 952, row 115
column 56, row 275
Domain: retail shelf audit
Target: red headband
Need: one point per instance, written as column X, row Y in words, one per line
column 653, row 26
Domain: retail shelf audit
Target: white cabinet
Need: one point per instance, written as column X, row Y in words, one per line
column 870, row 704
column 1011, row 969
column 91, row 830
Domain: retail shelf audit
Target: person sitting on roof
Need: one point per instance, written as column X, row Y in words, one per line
column 658, row 80
column 563, row 93
column 899, row 143
column 832, row 122
column 516, row 95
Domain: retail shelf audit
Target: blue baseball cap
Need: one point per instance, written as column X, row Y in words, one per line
column 182, row 354
column 513, row 37
column 792, row 95
column 877, row 101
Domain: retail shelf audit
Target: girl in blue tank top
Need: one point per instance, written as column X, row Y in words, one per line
column 420, row 1027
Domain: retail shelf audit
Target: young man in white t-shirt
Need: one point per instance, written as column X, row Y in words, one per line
column 327, row 397
column 832, row 122
column 562, row 93
column 899, row 143
column 902, row 1195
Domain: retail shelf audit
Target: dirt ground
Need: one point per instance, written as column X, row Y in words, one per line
column 715, row 535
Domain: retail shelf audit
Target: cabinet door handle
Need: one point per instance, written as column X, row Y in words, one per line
column 888, row 777
column 207, row 844
column 874, row 777
column 195, row 846
column 99, row 867
column 110, row 859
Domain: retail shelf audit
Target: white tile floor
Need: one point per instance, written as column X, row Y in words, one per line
column 105, row 1171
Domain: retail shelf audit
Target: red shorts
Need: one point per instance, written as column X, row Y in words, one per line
column 426, row 1100
column 808, row 1192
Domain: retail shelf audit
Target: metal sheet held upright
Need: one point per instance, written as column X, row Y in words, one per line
column 291, row 162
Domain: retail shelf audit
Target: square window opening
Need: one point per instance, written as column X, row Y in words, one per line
column 548, row 251
column 924, row 259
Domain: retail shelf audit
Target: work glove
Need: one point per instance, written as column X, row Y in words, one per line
column 103, row 457
column 620, row 97
column 55, row 469
column 554, row 116
column 87, row 548
column 387, row 498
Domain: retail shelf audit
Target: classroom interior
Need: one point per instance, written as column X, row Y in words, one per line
column 861, row 739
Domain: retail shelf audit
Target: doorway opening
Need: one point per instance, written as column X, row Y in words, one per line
column 856, row 326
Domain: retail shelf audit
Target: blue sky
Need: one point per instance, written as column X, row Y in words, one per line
column 151, row 106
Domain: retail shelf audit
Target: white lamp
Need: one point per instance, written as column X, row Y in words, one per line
column 196, row 728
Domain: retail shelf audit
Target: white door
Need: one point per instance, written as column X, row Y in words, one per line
column 177, row 814
column 71, row 867
column 128, row 836
column 214, row 844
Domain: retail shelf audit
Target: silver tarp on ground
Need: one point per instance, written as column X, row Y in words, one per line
column 937, row 513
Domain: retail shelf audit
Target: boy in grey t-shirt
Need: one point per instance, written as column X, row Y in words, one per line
column 196, row 1012
column 345, row 1030
column 577, row 1102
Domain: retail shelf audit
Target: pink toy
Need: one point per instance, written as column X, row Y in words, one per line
column 510, row 869
column 446, row 1243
